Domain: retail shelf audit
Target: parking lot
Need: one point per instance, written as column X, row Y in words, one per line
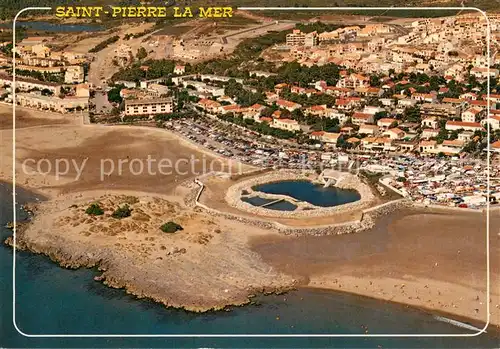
column 246, row 146
column 102, row 105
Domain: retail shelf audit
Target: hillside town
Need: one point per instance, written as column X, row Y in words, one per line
column 414, row 102
column 45, row 80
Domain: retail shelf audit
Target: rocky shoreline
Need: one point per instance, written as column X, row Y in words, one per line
column 53, row 233
column 190, row 289
column 184, row 270
column 171, row 271
column 113, row 276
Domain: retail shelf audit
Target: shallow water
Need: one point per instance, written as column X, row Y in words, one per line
column 55, row 27
column 282, row 205
column 52, row 300
column 315, row 194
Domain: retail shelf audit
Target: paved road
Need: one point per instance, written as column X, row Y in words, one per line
column 399, row 29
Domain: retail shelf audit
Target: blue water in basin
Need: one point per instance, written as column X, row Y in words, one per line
column 312, row 193
column 279, row 206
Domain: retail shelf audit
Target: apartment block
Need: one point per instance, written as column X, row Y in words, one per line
column 55, row 104
column 25, row 84
column 149, row 106
column 74, row 74
column 297, row 38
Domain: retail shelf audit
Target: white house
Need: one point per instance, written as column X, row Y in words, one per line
column 386, row 122
column 430, row 122
column 493, row 120
column 179, row 69
column 482, row 73
column 362, row 118
column 368, row 129
column 290, row 106
column 286, row 124
column 395, row 133
column 427, row 147
column 429, row 133
column 460, row 125
column 471, row 114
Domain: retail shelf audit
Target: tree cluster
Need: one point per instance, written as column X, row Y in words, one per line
column 94, row 210
column 102, row 45
column 122, row 212
column 171, row 227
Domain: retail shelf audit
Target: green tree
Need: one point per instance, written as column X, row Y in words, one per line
column 412, row 114
column 141, row 53
column 114, row 94
column 379, row 115
column 171, row 227
column 375, row 80
column 122, row 212
column 104, row 44
column 94, row 210
column 453, row 135
column 442, row 135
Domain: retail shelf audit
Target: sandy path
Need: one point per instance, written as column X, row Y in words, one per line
column 103, row 66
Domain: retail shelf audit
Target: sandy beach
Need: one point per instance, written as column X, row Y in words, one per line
column 206, row 266
column 431, row 260
column 417, row 257
column 97, row 150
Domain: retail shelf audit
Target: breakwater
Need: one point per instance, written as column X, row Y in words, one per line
column 367, row 220
column 304, row 209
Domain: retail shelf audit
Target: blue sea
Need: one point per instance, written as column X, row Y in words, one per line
column 53, row 300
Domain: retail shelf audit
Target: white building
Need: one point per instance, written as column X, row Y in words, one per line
column 74, row 74
column 471, row 115
column 297, row 38
column 148, row 106
column 494, row 121
column 482, row 73
column 52, row 103
column 179, row 69
column 460, row 125
column 286, row 124
column 24, row 84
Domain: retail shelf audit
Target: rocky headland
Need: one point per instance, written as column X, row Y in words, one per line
column 205, row 266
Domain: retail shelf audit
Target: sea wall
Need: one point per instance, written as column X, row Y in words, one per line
column 385, row 181
column 367, row 220
column 388, row 207
column 346, row 181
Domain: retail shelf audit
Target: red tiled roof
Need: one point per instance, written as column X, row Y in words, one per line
column 462, row 123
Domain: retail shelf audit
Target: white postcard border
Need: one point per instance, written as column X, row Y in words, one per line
column 326, row 335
